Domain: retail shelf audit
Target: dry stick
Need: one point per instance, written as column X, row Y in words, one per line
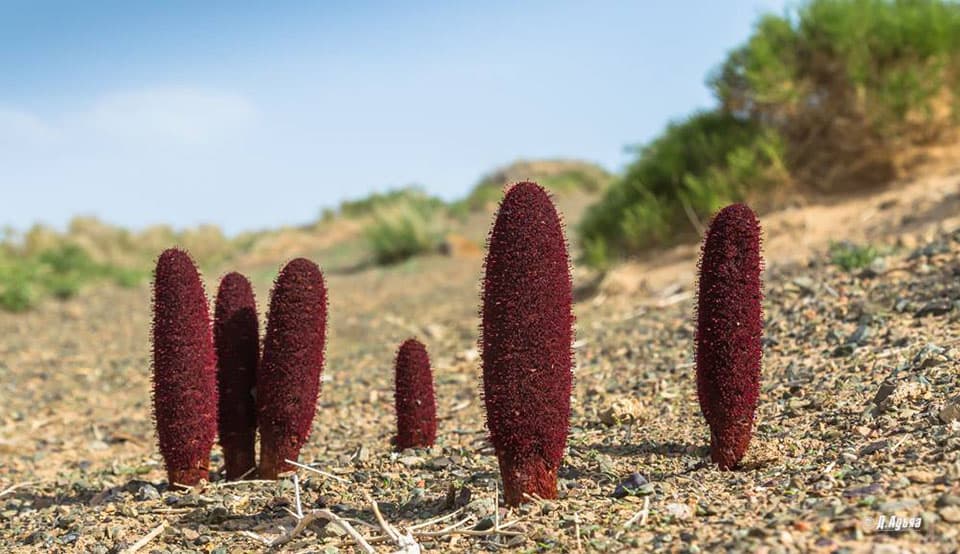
column 146, row 539
column 309, row 518
column 407, row 542
column 390, row 531
column 318, row 472
column 576, row 529
column 236, row 483
column 12, row 488
column 641, row 515
column 296, row 492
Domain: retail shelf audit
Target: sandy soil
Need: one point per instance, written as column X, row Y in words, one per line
column 857, row 420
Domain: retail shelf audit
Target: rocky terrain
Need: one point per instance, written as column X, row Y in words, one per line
column 859, row 415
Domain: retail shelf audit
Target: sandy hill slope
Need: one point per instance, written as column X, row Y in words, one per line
column 857, row 418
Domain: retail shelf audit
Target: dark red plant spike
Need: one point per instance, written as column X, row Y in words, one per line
column 236, row 336
column 414, row 397
column 184, row 370
column 526, row 344
column 288, row 379
column 729, row 331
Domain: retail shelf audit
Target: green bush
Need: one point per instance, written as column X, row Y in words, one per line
column 59, row 271
column 380, row 200
column 829, row 95
column 694, row 168
column 557, row 176
column 404, row 229
column 849, row 256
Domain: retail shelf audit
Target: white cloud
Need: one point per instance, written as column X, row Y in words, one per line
column 186, row 116
column 144, row 118
column 19, row 127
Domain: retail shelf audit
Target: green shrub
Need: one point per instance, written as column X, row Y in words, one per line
column 380, row 200
column 850, row 256
column 403, row 230
column 17, row 291
column 694, row 168
column 849, row 83
column 557, row 176
column 827, row 95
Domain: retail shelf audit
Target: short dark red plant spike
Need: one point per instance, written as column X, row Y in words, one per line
column 729, row 331
column 414, row 398
column 288, row 379
column 526, row 343
column 184, row 370
column 236, row 336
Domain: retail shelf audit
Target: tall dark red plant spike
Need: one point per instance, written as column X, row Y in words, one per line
column 236, row 336
column 729, row 331
column 184, row 370
column 414, row 398
column 526, row 342
column 288, row 381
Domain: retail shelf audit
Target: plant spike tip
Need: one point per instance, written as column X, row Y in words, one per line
column 414, row 397
column 288, row 382
column 237, row 341
column 729, row 331
column 526, row 344
column 184, row 370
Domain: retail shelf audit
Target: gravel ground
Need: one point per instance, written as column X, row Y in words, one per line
column 859, row 419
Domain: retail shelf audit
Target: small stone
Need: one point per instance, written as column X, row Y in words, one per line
column 921, row 476
column 439, row 463
column 679, row 511
column 951, row 412
column 935, row 308
column 625, row 409
column 873, row 447
column 434, row 331
column 469, row 355
column 411, row 461
column 484, row 524
column 190, row 534
column 633, row 484
column 948, row 500
column 805, row 284
column 950, row 514
column 896, row 506
column 148, row 492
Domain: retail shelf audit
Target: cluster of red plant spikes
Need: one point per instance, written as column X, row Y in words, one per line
column 184, row 370
column 526, row 342
column 288, row 379
column 729, row 331
column 237, row 341
column 413, row 395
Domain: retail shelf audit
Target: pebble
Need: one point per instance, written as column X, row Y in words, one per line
column 950, row 412
column 148, row 492
column 439, row 463
column 896, row 506
column 935, row 308
column 411, row 461
column 631, row 485
column 950, row 514
column 948, row 500
column 679, row 511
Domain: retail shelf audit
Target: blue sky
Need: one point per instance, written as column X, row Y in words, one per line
column 254, row 115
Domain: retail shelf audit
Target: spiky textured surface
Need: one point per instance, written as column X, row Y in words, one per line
column 288, row 381
column 729, row 331
column 526, row 342
column 184, row 369
column 237, row 341
column 414, row 398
